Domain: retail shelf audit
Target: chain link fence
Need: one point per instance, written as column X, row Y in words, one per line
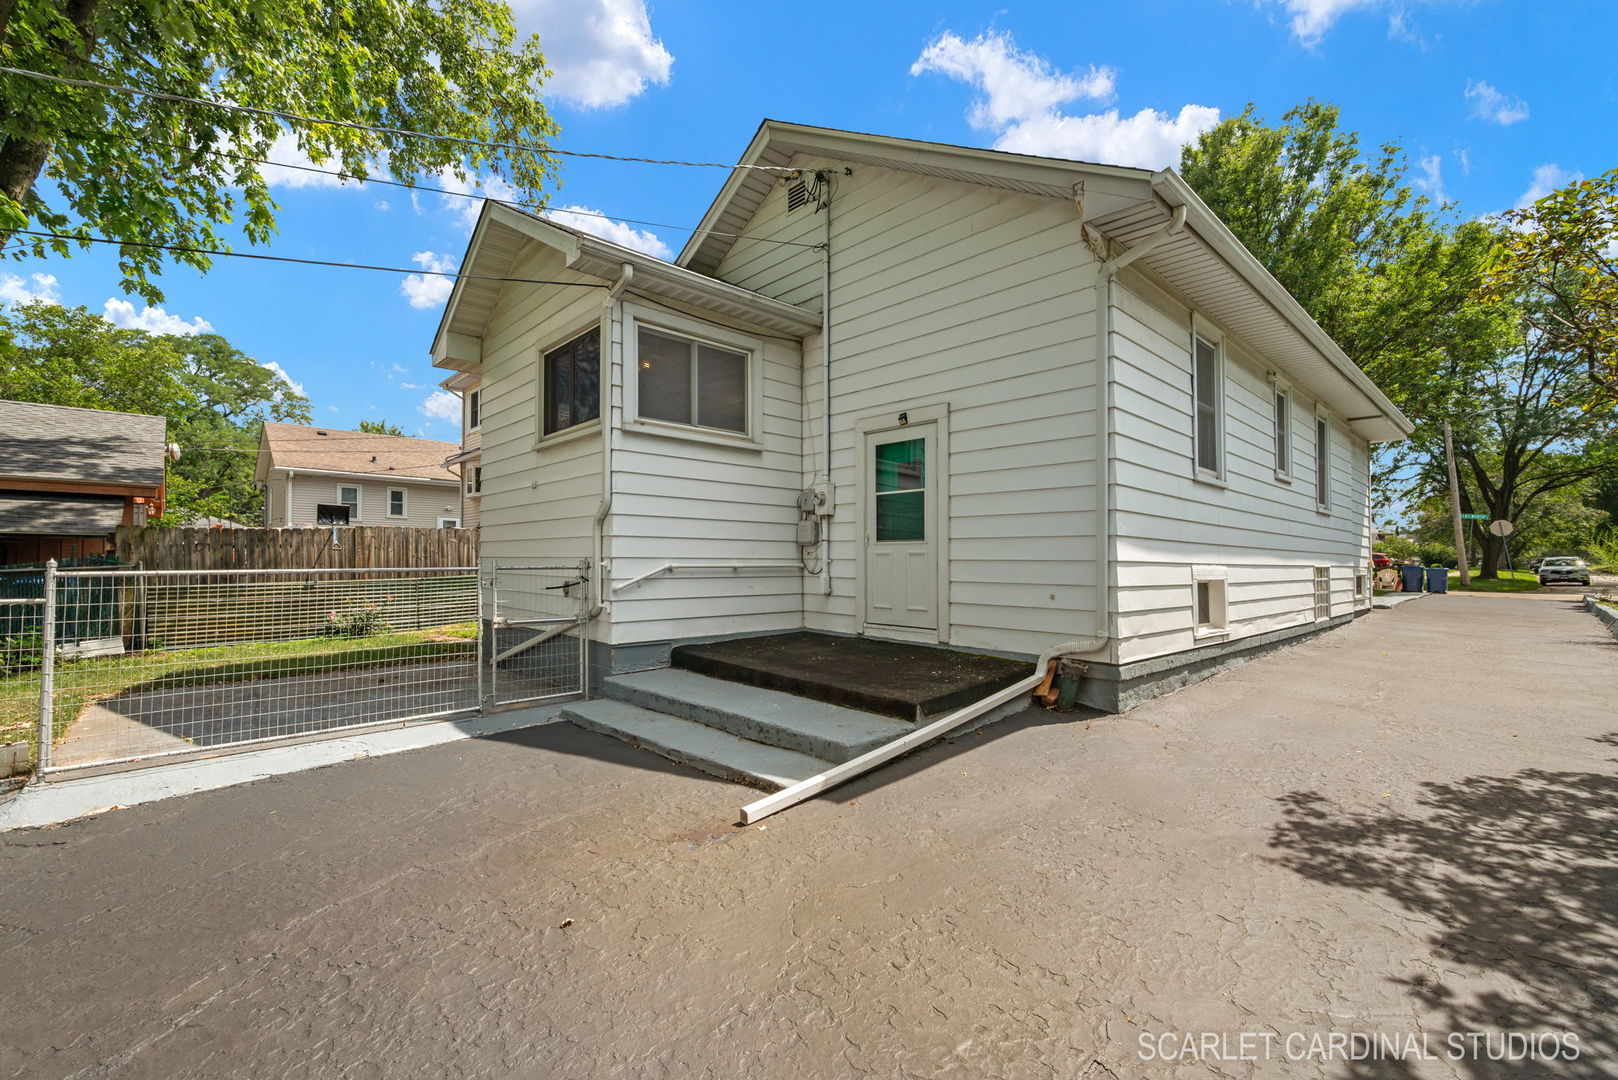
column 139, row 665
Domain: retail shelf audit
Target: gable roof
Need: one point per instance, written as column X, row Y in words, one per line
column 355, row 453
column 503, row 231
column 61, row 442
column 1204, row 263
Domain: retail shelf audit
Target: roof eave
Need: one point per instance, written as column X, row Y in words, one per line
column 1176, row 192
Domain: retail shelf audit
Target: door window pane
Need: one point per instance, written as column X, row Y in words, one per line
column 901, row 515
column 901, row 466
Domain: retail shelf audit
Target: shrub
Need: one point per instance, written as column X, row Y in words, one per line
column 1437, row 555
column 357, row 618
column 21, row 652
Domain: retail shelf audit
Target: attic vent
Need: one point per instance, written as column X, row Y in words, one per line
column 797, row 195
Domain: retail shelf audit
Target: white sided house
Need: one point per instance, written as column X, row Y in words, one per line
column 323, row 476
column 923, row 393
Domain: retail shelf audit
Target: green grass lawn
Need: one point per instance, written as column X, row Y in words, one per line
column 1508, row 581
column 79, row 682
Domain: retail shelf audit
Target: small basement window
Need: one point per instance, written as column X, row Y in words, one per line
column 1209, row 606
column 685, row 381
column 1322, row 593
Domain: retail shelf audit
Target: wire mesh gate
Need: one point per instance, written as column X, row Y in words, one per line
column 102, row 667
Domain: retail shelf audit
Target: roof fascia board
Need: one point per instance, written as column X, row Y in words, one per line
column 293, row 470
column 1176, row 192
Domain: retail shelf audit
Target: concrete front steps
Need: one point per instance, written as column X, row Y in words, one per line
column 752, row 735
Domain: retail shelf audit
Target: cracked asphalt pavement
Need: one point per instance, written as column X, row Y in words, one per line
column 1408, row 826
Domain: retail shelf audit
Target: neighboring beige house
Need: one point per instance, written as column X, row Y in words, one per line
column 322, row 476
column 926, row 393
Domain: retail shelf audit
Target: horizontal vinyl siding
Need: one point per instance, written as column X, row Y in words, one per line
column 538, row 504
column 424, row 503
column 1266, row 533
column 949, row 293
column 678, row 500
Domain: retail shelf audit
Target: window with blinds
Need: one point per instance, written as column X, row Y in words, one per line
column 572, row 383
column 684, row 381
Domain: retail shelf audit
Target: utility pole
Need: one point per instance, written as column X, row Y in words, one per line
column 1455, row 507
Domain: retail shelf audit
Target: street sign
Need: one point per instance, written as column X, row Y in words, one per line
column 1474, row 517
column 1502, row 527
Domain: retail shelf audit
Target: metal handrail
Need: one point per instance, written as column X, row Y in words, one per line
column 667, row 567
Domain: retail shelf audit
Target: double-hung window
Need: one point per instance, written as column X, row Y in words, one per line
column 1207, row 381
column 396, row 502
column 571, row 383
column 350, row 497
column 682, row 380
column 1322, row 462
column 1283, row 435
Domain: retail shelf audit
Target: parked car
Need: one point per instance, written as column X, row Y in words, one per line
column 1380, row 561
column 1564, row 570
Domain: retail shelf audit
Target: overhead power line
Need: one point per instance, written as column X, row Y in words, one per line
column 291, row 117
column 184, row 249
column 533, row 206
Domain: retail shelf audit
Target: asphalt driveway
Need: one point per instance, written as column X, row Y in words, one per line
column 1405, row 828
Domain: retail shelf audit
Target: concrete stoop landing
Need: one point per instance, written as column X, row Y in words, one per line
column 766, row 720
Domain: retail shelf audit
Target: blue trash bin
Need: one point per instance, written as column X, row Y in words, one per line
column 1411, row 577
column 1438, row 579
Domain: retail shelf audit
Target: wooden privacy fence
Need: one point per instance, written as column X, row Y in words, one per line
column 327, row 548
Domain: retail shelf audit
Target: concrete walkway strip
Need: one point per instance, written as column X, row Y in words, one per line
column 54, row 802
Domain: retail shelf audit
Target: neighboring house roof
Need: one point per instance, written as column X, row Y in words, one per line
column 354, row 453
column 61, row 443
column 60, row 515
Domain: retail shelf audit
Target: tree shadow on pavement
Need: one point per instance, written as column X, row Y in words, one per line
column 1520, row 876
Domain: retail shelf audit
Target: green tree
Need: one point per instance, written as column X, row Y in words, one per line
column 1564, row 250
column 231, row 395
column 1367, row 256
column 72, row 356
column 92, row 162
column 380, row 427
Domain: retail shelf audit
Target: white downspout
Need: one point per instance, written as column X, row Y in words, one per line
column 825, row 381
column 604, row 507
column 1106, row 598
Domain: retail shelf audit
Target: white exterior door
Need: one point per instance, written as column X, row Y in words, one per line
column 901, row 527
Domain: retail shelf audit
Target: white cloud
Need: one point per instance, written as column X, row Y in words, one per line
column 1312, row 18
column 441, row 405
column 285, row 149
column 382, row 205
column 1430, row 176
column 1547, row 178
column 588, row 220
column 332, row 408
column 1016, row 85
column 153, row 320
column 601, row 52
column 15, row 290
column 1464, row 156
column 426, row 291
column 1490, row 103
column 410, row 385
column 1022, row 93
column 297, row 387
column 464, row 211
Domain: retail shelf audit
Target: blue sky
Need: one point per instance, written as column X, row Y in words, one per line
column 1494, row 101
